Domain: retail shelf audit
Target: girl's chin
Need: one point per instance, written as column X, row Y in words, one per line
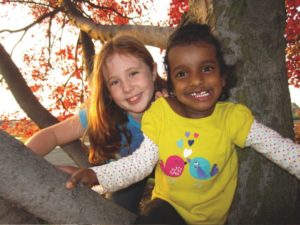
column 138, row 112
column 138, row 108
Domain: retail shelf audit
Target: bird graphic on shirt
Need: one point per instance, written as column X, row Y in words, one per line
column 173, row 167
column 201, row 168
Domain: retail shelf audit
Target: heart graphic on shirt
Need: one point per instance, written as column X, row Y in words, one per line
column 187, row 152
column 187, row 134
column 191, row 142
column 180, row 143
column 196, row 135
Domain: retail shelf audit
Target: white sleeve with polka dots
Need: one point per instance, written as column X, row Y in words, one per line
column 282, row 151
column 128, row 170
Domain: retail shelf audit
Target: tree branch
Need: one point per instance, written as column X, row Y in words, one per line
column 39, row 189
column 149, row 35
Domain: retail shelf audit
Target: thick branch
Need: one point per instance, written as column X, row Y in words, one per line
column 10, row 214
column 37, row 186
column 88, row 52
column 150, row 35
column 202, row 11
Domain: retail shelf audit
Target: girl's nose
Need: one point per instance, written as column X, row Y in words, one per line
column 196, row 79
column 127, row 86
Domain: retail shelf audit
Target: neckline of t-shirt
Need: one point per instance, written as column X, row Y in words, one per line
column 180, row 117
column 133, row 121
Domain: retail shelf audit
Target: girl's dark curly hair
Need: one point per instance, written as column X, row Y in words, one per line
column 193, row 33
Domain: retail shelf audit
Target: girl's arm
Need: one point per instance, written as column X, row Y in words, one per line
column 122, row 173
column 48, row 138
column 282, row 151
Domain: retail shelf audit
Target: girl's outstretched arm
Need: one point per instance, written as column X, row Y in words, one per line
column 48, row 138
column 124, row 172
column 282, row 151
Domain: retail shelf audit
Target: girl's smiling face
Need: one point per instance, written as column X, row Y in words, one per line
column 130, row 83
column 196, row 78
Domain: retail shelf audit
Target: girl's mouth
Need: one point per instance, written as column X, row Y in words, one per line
column 200, row 95
column 134, row 99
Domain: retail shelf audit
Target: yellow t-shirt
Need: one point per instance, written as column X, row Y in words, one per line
column 197, row 168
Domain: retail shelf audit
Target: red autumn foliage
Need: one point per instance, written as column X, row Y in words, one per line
column 41, row 62
column 177, row 8
column 23, row 129
column 292, row 34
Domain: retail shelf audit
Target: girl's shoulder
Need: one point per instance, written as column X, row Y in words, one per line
column 158, row 108
column 160, row 102
column 233, row 111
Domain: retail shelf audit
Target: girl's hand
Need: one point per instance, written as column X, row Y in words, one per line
column 164, row 93
column 85, row 176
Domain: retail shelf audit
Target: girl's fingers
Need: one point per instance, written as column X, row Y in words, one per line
column 165, row 93
column 85, row 176
column 69, row 185
column 72, row 181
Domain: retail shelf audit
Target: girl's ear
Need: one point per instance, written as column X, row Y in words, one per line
column 154, row 71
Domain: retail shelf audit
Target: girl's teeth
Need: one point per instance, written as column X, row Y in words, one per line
column 200, row 94
column 133, row 99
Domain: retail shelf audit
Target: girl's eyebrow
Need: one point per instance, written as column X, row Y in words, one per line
column 178, row 67
column 112, row 76
column 132, row 68
column 210, row 61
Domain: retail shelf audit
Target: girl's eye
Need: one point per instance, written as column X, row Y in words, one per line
column 181, row 74
column 113, row 83
column 206, row 69
column 133, row 73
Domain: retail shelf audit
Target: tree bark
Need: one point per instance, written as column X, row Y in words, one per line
column 32, row 183
column 11, row 214
column 202, row 11
column 253, row 36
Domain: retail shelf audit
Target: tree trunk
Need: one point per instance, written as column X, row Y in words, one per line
column 253, row 34
column 32, row 183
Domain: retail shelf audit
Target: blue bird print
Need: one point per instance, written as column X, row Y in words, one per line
column 201, row 168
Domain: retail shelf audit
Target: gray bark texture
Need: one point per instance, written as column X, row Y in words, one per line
column 33, row 184
column 12, row 214
column 253, row 36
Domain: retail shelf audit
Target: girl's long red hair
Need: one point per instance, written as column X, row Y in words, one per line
column 106, row 120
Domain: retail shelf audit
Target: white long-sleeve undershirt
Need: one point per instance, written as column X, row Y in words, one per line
column 131, row 169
